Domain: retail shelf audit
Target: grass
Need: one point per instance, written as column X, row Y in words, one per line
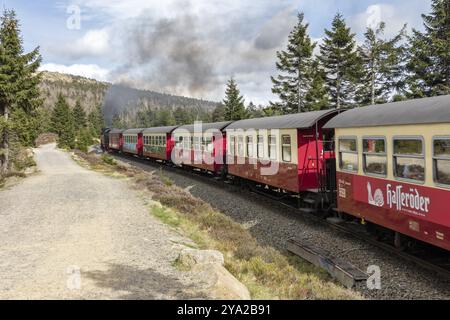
column 109, row 160
column 267, row 273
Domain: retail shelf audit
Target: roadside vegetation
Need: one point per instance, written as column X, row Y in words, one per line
column 267, row 273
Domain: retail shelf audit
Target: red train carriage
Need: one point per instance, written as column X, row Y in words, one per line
column 285, row 152
column 116, row 139
column 132, row 141
column 158, row 143
column 393, row 167
column 201, row 146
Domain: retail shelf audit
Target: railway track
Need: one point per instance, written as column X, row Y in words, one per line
column 438, row 265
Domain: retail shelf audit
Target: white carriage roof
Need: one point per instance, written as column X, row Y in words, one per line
column 206, row 126
column 418, row 111
column 168, row 129
column 133, row 131
column 292, row 121
column 116, row 130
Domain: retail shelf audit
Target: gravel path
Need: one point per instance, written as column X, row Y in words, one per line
column 71, row 233
column 274, row 224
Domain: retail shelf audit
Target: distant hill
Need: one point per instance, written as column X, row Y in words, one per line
column 91, row 93
column 115, row 99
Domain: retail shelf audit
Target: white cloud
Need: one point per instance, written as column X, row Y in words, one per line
column 94, row 43
column 92, row 71
column 395, row 16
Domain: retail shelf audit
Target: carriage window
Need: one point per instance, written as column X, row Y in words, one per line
column 241, row 146
column 272, row 147
column 374, row 156
column 348, row 154
column 186, row 142
column 441, row 159
column 232, row 146
column 409, row 160
column 164, row 141
column 287, row 150
column 209, row 146
column 260, row 147
column 250, row 146
column 197, row 146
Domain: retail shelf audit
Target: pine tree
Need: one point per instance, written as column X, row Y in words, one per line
column 317, row 97
column 219, row 113
column 429, row 54
column 79, row 116
column 295, row 65
column 382, row 63
column 341, row 63
column 62, row 123
column 84, row 139
column 254, row 111
column 165, row 118
column 18, row 82
column 96, row 121
column 234, row 103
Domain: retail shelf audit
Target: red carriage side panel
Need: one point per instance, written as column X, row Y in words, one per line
column 310, row 159
column 169, row 146
column 140, row 145
column 286, row 177
column 417, row 211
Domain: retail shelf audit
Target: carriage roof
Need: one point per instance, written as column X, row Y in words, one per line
column 206, row 126
column 292, row 121
column 418, row 111
column 133, row 131
column 167, row 129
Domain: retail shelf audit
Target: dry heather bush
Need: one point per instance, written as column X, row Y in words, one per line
column 91, row 158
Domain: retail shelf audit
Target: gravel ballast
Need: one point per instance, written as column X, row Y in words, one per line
column 273, row 224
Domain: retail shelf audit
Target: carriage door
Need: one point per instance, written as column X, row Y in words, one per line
column 308, row 164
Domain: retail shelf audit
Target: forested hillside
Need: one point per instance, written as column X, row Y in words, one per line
column 117, row 99
column 89, row 92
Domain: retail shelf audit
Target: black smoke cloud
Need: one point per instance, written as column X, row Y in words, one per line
column 194, row 56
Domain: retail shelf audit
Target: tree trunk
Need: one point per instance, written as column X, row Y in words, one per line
column 4, row 163
column 299, row 92
column 338, row 94
column 373, row 87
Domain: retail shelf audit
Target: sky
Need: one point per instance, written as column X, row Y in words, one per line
column 189, row 47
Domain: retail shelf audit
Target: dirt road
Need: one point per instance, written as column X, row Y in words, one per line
column 70, row 233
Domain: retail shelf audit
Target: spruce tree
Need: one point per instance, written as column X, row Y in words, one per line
column 429, row 54
column 96, row 121
column 295, row 65
column 234, row 102
column 18, row 83
column 341, row 63
column 382, row 63
column 219, row 113
column 79, row 117
column 62, row 123
column 317, row 97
